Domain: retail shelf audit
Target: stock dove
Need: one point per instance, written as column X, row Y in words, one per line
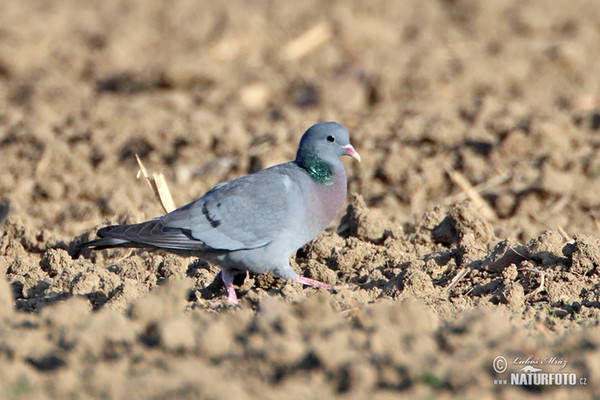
column 258, row 221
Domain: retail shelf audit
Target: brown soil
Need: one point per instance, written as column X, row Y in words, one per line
column 503, row 92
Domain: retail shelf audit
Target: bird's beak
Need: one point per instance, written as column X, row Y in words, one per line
column 351, row 152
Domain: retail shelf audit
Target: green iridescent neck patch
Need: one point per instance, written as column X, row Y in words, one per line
column 317, row 168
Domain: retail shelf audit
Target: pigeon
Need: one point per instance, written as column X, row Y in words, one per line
column 256, row 222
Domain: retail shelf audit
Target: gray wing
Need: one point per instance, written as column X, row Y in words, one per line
column 245, row 213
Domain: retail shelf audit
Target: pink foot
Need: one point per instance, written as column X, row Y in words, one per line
column 227, row 277
column 314, row 283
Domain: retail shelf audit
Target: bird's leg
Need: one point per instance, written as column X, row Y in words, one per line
column 314, row 283
column 227, row 277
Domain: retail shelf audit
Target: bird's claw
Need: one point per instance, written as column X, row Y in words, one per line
column 314, row 283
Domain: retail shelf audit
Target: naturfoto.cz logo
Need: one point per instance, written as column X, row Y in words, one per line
column 530, row 371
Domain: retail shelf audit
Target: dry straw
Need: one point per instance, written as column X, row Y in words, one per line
column 158, row 184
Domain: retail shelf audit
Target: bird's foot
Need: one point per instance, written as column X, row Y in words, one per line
column 227, row 277
column 314, row 283
column 231, row 296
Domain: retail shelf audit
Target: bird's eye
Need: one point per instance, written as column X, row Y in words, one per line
column 330, row 139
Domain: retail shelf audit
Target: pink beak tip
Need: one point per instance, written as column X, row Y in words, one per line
column 351, row 152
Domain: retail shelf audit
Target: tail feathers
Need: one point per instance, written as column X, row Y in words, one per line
column 150, row 234
column 107, row 243
column 111, row 236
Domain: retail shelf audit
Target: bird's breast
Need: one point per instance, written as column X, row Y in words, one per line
column 328, row 200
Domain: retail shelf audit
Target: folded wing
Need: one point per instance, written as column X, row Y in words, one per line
column 245, row 213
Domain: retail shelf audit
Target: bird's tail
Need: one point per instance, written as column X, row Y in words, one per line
column 111, row 236
column 150, row 234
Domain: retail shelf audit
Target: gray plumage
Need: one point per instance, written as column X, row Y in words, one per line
column 258, row 221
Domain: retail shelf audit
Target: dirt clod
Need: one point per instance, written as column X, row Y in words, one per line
column 430, row 291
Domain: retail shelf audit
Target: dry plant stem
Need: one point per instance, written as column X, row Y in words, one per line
column 123, row 257
column 464, row 272
column 542, row 283
column 158, row 185
column 482, row 187
column 459, row 180
column 560, row 204
column 564, row 233
column 164, row 195
column 307, row 42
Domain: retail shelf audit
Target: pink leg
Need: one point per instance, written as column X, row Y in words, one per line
column 227, row 277
column 314, row 283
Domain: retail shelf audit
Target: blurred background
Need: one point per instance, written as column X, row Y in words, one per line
column 503, row 93
column 491, row 101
